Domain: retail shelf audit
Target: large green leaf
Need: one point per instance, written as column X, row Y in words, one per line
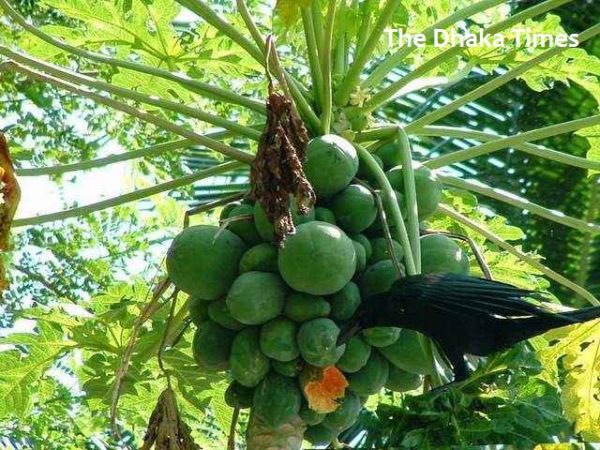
column 140, row 25
column 21, row 371
column 503, row 402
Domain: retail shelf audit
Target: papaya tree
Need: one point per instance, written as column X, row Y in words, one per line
column 323, row 200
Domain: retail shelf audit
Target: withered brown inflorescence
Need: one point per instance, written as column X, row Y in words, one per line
column 166, row 430
column 277, row 174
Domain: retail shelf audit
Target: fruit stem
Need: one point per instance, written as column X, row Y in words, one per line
column 296, row 87
column 511, row 141
column 410, row 195
column 376, row 134
column 386, row 229
column 518, row 202
column 129, row 197
column 185, row 110
column 234, row 420
column 210, row 206
column 391, row 203
column 250, row 25
column 340, row 46
column 531, row 149
column 326, row 57
column 313, row 54
column 291, row 89
column 342, row 96
column 365, row 14
column 315, row 9
column 481, row 229
column 131, row 110
column 586, row 247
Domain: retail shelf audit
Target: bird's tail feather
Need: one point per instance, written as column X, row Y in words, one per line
column 583, row 315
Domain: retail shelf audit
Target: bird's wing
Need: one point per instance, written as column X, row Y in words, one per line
column 474, row 296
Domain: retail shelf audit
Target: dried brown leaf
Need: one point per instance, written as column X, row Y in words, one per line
column 10, row 194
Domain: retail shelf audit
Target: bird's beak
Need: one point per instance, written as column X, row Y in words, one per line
column 347, row 331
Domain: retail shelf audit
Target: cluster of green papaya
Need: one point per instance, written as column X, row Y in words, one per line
column 269, row 315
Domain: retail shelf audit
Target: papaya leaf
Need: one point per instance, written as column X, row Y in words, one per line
column 137, row 405
column 149, row 84
column 42, row 49
column 578, row 347
column 20, row 371
column 482, row 411
column 222, row 411
column 62, row 315
column 144, row 26
column 195, row 386
column 572, row 65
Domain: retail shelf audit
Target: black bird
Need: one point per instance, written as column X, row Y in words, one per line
column 462, row 315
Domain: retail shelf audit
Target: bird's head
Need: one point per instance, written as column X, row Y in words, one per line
column 377, row 310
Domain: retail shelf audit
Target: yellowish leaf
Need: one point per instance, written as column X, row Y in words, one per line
column 563, row 446
column 289, row 10
column 579, row 347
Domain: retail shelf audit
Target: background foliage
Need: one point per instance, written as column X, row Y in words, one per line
column 78, row 285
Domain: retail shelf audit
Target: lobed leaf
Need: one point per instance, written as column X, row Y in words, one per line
column 578, row 348
column 20, row 372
